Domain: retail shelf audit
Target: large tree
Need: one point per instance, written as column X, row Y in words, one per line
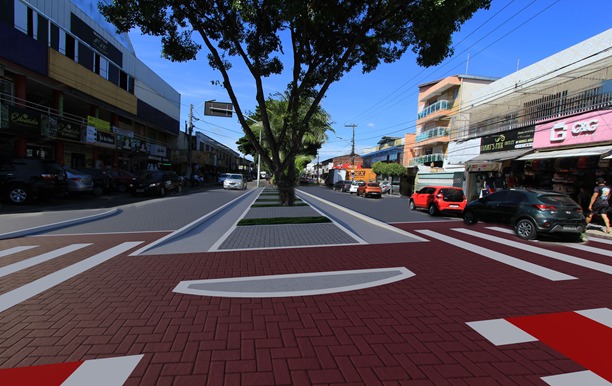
column 320, row 41
column 314, row 137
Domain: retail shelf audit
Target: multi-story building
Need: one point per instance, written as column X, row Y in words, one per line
column 547, row 125
column 388, row 149
column 438, row 104
column 73, row 90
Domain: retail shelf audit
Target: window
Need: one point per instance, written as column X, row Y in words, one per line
column 21, row 17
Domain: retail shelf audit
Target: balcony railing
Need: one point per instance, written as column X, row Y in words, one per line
column 426, row 159
column 439, row 105
column 432, row 133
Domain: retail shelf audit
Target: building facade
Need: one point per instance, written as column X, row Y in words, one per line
column 73, row 90
column 547, row 126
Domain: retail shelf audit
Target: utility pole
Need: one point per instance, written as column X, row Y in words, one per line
column 353, row 144
column 189, row 134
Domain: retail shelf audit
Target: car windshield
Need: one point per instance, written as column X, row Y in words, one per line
column 234, row 176
column 373, row 184
column 148, row 176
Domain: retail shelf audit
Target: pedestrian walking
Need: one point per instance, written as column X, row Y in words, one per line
column 600, row 204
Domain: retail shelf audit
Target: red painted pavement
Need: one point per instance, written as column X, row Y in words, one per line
column 45, row 375
column 583, row 340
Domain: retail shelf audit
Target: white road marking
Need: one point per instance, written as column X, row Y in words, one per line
column 600, row 315
column 600, row 240
column 541, row 251
column 103, row 372
column 301, row 284
column 20, row 294
column 580, row 247
column 578, row 378
column 14, row 250
column 27, row 263
column 500, row 257
column 501, row 332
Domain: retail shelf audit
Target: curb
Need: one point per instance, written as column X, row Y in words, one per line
column 42, row 228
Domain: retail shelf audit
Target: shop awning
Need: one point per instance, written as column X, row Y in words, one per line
column 501, row 155
column 580, row 152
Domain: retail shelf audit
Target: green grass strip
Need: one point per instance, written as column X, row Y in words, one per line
column 283, row 220
column 262, row 205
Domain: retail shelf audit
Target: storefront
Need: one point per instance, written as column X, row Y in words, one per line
column 496, row 166
column 571, row 153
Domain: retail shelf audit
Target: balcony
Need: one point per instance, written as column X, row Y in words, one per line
column 438, row 106
column 432, row 133
column 426, row 159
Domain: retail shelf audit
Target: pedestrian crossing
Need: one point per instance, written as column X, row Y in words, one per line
column 509, row 251
column 24, row 292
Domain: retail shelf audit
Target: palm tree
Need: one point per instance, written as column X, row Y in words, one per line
column 315, row 136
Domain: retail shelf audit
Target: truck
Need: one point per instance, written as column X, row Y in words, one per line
column 366, row 175
column 334, row 176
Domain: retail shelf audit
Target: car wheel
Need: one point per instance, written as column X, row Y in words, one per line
column 411, row 205
column 162, row 191
column 469, row 218
column 98, row 191
column 19, row 194
column 122, row 188
column 432, row 210
column 526, row 229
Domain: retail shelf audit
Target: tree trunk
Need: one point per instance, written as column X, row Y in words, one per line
column 285, row 189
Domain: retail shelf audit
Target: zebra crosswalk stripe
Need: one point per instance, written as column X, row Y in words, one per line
column 20, row 294
column 540, row 251
column 32, row 261
column 500, row 257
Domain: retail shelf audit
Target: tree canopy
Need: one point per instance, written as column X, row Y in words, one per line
column 320, row 41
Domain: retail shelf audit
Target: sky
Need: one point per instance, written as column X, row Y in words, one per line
column 511, row 35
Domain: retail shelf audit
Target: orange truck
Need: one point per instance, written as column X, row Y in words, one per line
column 366, row 175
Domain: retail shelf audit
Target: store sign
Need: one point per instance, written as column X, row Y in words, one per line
column 157, row 150
column 89, row 134
column 582, row 129
column 508, row 140
column 99, row 124
column 123, row 132
column 484, row 167
column 24, row 120
column 105, row 139
column 95, row 39
column 67, row 130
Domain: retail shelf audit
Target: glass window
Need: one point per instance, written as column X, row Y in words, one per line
column 21, row 17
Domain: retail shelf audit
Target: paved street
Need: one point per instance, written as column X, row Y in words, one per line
column 455, row 305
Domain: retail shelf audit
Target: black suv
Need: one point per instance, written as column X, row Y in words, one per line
column 156, row 182
column 530, row 212
column 23, row 179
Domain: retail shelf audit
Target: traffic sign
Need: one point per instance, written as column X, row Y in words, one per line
column 218, row 109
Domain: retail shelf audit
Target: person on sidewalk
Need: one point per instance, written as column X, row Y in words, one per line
column 600, row 203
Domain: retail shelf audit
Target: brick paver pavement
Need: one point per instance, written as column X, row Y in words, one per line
column 410, row 332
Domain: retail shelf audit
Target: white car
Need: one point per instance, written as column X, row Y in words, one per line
column 234, row 181
column 354, row 185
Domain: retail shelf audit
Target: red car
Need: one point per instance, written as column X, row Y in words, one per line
column 439, row 199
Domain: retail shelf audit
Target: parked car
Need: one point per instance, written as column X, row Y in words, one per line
column 342, row 185
column 221, row 178
column 355, row 185
column 23, row 179
column 103, row 182
column 530, row 212
column 385, row 186
column 234, row 181
column 369, row 189
column 78, row 182
column 439, row 199
column 121, row 179
column 156, row 182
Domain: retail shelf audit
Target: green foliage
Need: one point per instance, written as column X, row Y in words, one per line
column 283, row 220
column 321, row 41
column 388, row 169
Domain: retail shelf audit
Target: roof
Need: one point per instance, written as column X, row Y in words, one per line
column 463, row 76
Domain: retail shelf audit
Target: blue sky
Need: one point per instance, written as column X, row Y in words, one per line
column 511, row 34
